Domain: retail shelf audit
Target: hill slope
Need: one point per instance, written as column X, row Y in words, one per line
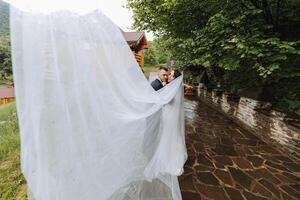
column 4, row 18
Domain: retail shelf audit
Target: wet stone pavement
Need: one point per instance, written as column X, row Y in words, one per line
column 228, row 162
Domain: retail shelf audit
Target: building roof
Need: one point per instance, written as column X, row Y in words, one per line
column 133, row 36
column 7, row 92
column 136, row 39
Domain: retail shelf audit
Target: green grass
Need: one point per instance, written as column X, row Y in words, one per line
column 6, row 111
column 12, row 183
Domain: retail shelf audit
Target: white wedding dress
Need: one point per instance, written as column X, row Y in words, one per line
column 92, row 127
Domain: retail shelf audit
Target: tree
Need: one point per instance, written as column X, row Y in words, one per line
column 150, row 56
column 156, row 53
column 5, row 59
column 255, row 42
column 4, row 19
column 5, row 54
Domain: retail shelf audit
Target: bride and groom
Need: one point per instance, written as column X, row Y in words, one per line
column 164, row 76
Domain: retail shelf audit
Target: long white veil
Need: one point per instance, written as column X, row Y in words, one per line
column 92, row 127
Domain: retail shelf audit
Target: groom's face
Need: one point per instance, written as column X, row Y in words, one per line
column 163, row 75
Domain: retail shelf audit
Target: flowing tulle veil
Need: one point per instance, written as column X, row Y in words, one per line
column 91, row 125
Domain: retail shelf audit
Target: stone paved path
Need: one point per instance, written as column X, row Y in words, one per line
column 228, row 162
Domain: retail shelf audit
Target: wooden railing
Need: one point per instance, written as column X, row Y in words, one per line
column 6, row 95
column 140, row 59
column 6, row 100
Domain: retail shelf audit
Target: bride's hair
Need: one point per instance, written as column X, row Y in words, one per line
column 177, row 73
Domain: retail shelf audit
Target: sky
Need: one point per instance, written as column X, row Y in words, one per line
column 115, row 9
column 122, row 16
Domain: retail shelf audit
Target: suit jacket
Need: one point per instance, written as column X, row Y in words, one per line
column 156, row 84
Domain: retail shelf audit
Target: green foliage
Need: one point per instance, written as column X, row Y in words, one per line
column 4, row 19
column 156, row 53
column 150, row 55
column 5, row 59
column 5, row 54
column 254, row 42
column 161, row 16
column 230, row 42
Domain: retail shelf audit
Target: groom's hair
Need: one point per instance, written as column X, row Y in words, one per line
column 163, row 68
column 177, row 73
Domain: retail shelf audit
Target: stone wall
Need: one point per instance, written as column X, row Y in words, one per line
column 257, row 117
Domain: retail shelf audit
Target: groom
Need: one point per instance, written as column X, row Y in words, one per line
column 162, row 79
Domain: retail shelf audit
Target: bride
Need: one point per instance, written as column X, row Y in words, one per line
column 86, row 133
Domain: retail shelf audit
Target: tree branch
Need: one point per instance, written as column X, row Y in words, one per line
column 255, row 3
column 277, row 14
column 267, row 12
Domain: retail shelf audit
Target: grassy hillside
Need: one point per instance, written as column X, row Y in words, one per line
column 12, row 183
column 4, row 18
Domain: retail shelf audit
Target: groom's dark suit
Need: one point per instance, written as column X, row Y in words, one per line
column 156, row 84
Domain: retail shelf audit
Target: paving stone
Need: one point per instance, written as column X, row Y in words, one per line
column 190, row 196
column 263, row 173
column 247, row 134
column 276, row 166
column 202, row 168
column 199, row 146
column 187, row 183
column 234, row 134
column 234, row 194
column 273, row 170
column 269, row 149
column 207, row 178
column 291, row 176
column 241, row 151
column 190, row 161
column 292, row 166
column 261, row 190
column 224, row 176
column 246, row 141
column 261, row 143
column 220, row 166
column 283, row 158
column 296, row 187
column 240, row 177
column 225, row 160
column 272, row 158
column 271, row 187
column 230, row 163
column 227, row 141
column 287, row 197
column 255, row 160
column 285, row 179
column 191, row 150
column 250, row 196
column 242, row 163
column 291, row 191
column 256, row 150
column 212, row 192
column 225, row 150
column 239, row 187
column 188, row 170
column 202, row 159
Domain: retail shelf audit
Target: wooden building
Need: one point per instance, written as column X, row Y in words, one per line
column 137, row 41
column 7, row 95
